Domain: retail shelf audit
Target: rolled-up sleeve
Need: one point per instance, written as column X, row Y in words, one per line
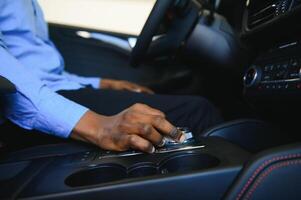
column 92, row 81
column 34, row 105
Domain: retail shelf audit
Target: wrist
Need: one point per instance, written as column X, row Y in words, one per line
column 88, row 128
column 107, row 83
column 104, row 84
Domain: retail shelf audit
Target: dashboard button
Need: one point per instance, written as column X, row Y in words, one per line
column 274, row 87
column 252, row 77
column 267, row 87
column 279, row 87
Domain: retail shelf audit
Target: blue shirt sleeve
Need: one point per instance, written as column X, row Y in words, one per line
column 35, row 106
column 92, row 81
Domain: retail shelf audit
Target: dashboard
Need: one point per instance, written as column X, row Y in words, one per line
column 262, row 13
column 277, row 71
column 272, row 28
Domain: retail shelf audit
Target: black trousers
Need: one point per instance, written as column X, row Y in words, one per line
column 193, row 112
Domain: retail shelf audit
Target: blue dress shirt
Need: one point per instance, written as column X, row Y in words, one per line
column 31, row 61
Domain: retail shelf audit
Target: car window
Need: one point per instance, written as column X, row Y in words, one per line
column 121, row 16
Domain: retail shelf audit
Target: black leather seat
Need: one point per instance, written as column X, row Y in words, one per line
column 252, row 135
column 274, row 174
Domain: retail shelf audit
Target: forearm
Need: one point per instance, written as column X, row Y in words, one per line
column 34, row 106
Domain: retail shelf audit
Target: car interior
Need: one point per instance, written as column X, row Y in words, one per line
column 244, row 56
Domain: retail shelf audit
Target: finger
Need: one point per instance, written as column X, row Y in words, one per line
column 146, row 90
column 133, row 89
column 160, row 124
column 145, row 131
column 137, row 88
column 138, row 143
column 145, row 109
column 169, row 130
column 140, row 89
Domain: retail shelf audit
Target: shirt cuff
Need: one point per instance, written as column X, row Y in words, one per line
column 58, row 116
column 94, row 82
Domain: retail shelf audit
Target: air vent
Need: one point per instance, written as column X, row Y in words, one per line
column 265, row 11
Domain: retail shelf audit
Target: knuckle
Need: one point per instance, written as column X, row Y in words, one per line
column 158, row 120
column 132, row 140
column 128, row 116
column 146, row 147
column 146, row 129
column 161, row 114
column 122, row 127
column 139, row 106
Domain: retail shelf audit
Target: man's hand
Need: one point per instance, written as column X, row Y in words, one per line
column 124, row 85
column 139, row 127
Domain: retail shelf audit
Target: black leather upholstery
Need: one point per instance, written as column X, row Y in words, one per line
column 252, row 135
column 274, row 174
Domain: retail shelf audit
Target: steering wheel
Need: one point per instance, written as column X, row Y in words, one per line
column 149, row 30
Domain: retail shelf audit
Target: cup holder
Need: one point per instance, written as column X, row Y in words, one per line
column 142, row 171
column 99, row 175
column 181, row 163
column 185, row 163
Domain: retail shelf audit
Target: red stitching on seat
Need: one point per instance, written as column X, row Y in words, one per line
column 267, row 173
column 261, row 167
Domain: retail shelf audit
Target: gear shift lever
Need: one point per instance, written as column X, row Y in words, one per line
column 169, row 146
column 188, row 135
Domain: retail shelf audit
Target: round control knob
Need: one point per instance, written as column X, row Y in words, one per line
column 252, row 76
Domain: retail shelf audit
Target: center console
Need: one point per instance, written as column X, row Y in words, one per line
column 201, row 170
column 275, row 72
